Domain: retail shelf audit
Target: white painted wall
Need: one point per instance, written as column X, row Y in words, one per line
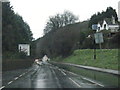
column 105, row 23
column 45, row 58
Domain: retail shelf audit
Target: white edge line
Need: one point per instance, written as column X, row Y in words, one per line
column 94, row 82
column 75, row 82
column 72, row 73
column 69, row 72
column 87, row 79
column 2, row 87
column 10, row 82
column 63, row 72
column 56, row 78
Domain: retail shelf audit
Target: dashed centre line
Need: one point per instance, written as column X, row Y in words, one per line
column 20, row 75
column 10, row 82
column 14, row 79
column 2, row 87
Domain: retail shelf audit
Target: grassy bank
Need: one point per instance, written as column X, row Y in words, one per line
column 106, row 58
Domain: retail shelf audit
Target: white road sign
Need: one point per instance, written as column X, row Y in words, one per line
column 94, row 27
column 24, row 48
column 98, row 38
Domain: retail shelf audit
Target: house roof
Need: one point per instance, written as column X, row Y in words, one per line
column 108, row 21
column 100, row 22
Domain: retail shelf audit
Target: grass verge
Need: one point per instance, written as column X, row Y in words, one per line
column 105, row 58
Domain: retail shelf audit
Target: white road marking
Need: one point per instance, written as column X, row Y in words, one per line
column 10, row 82
column 93, row 82
column 56, row 78
column 13, row 80
column 16, row 78
column 21, row 75
column 75, row 82
column 86, row 79
column 69, row 72
column 72, row 73
column 62, row 72
column 83, row 78
column 2, row 87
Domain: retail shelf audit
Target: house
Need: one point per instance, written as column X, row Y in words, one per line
column 45, row 59
column 108, row 24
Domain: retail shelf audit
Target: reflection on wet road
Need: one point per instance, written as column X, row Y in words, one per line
column 50, row 76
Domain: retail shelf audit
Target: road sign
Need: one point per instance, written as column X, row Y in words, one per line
column 24, row 48
column 94, row 27
column 98, row 38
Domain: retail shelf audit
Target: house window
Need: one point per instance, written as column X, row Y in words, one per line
column 104, row 26
column 98, row 28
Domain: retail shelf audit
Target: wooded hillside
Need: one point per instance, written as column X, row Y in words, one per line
column 63, row 41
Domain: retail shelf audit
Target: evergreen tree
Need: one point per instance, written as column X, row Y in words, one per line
column 100, row 16
column 14, row 29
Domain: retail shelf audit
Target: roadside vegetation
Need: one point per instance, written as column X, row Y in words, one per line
column 74, row 42
column 62, row 36
column 14, row 31
column 106, row 58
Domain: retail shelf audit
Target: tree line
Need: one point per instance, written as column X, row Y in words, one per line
column 14, row 31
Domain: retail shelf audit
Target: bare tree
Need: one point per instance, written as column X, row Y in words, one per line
column 60, row 20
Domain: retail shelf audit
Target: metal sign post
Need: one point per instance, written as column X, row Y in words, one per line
column 98, row 38
column 94, row 27
column 94, row 50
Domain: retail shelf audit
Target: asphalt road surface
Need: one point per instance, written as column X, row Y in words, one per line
column 50, row 76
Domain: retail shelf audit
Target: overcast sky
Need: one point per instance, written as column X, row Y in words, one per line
column 37, row 12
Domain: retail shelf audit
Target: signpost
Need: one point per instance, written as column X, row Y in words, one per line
column 94, row 27
column 98, row 38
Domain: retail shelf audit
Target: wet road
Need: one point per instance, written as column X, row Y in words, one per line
column 50, row 76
